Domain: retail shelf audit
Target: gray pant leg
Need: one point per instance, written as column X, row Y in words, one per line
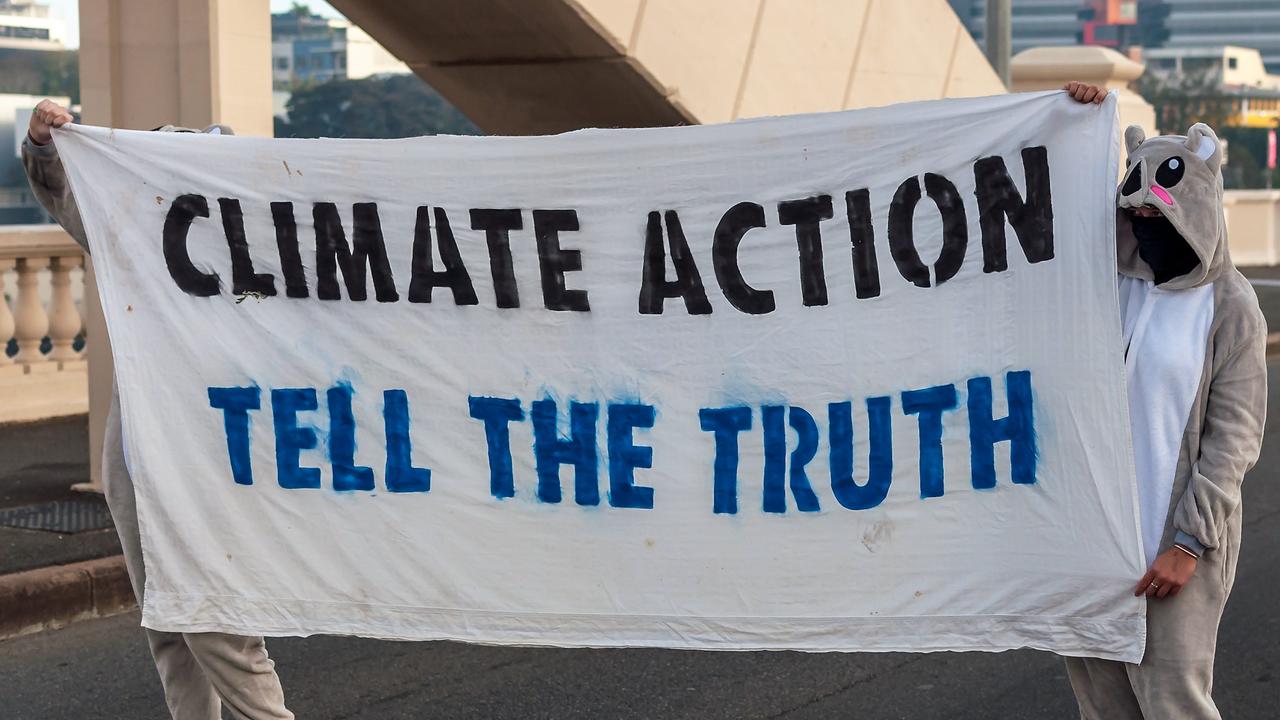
column 187, row 691
column 1175, row 690
column 242, row 674
column 1175, row 678
column 1102, row 689
column 195, row 669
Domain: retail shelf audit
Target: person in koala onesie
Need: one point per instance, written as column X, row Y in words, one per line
column 1195, row 363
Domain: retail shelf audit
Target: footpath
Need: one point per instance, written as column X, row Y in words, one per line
column 60, row 559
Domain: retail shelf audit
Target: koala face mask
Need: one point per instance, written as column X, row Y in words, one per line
column 1162, row 248
column 1169, row 221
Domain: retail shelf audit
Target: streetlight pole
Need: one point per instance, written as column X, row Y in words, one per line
column 999, row 36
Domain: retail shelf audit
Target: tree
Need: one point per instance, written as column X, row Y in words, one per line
column 40, row 72
column 1247, row 164
column 1185, row 99
column 389, row 106
column 60, row 75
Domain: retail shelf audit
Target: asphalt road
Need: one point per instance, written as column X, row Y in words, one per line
column 101, row 668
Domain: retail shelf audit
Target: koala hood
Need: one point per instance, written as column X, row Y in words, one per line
column 1181, row 176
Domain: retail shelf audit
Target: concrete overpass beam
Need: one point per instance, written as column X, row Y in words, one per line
column 541, row 66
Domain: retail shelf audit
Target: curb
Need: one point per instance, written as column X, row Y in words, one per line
column 9, row 423
column 54, row 597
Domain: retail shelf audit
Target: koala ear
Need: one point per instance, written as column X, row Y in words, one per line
column 1203, row 141
column 1133, row 137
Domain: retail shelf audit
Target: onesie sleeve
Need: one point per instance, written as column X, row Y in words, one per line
column 1230, row 441
column 49, row 183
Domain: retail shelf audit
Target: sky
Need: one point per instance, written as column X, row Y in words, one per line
column 68, row 11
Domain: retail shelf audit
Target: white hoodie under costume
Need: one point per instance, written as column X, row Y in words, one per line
column 1196, row 368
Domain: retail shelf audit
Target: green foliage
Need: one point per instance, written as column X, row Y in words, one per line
column 1183, row 100
column 40, row 72
column 61, row 75
column 1247, row 158
column 390, row 106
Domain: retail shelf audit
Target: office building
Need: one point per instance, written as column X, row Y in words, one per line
column 308, row 48
column 1239, row 73
column 1215, row 23
column 27, row 25
column 1036, row 23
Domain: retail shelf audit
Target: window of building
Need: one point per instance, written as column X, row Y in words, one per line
column 1232, row 62
column 282, row 63
column 27, row 33
column 1200, row 65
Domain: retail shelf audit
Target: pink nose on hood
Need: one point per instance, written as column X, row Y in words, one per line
column 1162, row 194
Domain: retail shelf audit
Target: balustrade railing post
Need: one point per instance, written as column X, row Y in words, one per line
column 6, row 318
column 35, row 385
column 64, row 323
column 32, row 322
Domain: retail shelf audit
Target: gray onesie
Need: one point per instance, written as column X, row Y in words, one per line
column 1181, row 176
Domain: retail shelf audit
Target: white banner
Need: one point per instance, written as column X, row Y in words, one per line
column 847, row 381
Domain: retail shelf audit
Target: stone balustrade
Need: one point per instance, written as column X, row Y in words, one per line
column 1253, row 226
column 41, row 277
